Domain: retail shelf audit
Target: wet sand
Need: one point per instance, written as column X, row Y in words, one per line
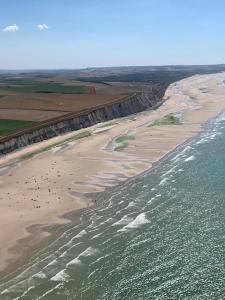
column 37, row 191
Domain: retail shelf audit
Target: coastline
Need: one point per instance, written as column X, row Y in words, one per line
column 82, row 166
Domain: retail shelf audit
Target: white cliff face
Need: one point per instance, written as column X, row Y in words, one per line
column 133, row 104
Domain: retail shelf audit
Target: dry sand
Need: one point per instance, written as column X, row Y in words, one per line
column 41, row 189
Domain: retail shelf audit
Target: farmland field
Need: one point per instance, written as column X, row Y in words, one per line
column 8, row 126
column 32, row 86
column 26, row 99
column 55, row 102
column 29, row 114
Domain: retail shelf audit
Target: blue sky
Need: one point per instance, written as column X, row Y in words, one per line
column 89, row 33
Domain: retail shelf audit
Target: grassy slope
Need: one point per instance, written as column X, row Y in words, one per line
column 79, row 136
column 167, row 120
column 121, row 142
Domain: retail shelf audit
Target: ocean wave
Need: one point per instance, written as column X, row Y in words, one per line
column 80, row 234
column 139, row 243
column 131, row 204
column 40, row 275
column 163, row 181
column 106, row 221
column 139, row 221
column 169, row 171
column 177, row 157
column 75, row 261
column 190, row 158
column 88, row 252
column 97, row 235
column 202, row 141
column 65, row 253
column 25, row 293
column 52, row 263
column 49, row 292
column 100, row 258
column 150, row 201
column 125, row 220
column 61, row 276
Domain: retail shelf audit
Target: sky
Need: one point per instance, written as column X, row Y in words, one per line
column 61, row 34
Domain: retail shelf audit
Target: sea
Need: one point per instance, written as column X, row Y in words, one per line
column 160, row 235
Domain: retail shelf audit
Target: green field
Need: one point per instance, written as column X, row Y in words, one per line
column 7, row 126
column 47, row 88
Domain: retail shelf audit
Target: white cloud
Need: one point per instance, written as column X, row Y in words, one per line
column 42, row 27
column 11, row 28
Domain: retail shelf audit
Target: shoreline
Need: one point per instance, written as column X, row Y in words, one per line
column 93, row 161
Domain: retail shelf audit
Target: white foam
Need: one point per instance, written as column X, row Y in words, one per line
column 75, row 261
column 52, row 263
column 92, row 273
column 48, row 292
column 190, row 158
column 178, row 158
column 100, row 258
column 64, row 254
column 6, row 291
column 61, row 276
column 169, row 171
column 25, row 293
column 124, row 221
column 121, row 202
column 131, row 204
column 106, row 221
column 40, row 275
column 136, row 223
column 150, row 201
column 202, row 141
column 179, row 155
column 88, row 252
column 97, row 235
column 80, row 234
column 163, row 181
column 140, row 243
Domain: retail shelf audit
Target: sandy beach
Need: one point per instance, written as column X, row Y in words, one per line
column 40, row 189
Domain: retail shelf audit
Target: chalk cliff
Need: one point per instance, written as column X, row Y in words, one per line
column 129, row 105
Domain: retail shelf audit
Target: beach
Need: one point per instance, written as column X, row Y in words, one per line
column 40, row 189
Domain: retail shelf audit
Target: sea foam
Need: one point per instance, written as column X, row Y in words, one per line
column 163, row 181
column 136, row 223
column 190, row 158
column 75, row 261
column 80, row 234
column 88, row 252
column 124, row 221
column 61, row 276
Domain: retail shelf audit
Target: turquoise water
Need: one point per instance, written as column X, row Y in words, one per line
column 158, row 236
